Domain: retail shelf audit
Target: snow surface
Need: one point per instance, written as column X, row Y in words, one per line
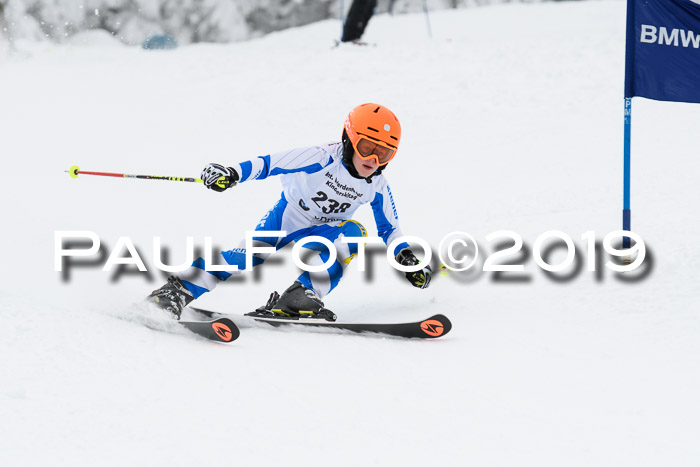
column 512, row 119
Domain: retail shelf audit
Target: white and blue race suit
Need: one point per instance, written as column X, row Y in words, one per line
column 319, row 197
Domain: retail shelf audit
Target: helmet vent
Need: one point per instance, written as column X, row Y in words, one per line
column 393, row 137
column 373, row 129
column 377, row 110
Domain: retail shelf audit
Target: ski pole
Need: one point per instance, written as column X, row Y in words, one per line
column 427, row 18
column 75, row 171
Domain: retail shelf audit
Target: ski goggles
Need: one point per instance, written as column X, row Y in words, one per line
column 367, row 149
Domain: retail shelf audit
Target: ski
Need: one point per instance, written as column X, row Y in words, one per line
column 435, row 326
column 220, row 330
column 430, row 328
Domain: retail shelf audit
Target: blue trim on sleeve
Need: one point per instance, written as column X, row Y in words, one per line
column 272, row 220
column 309, row 169
column 246, row 168
column 400, row 247
column 266, row 167
column 266, row 172
column 384, row 227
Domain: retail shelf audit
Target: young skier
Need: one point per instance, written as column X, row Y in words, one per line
column 322, row 187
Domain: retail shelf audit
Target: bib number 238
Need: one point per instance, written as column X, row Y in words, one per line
column 329, row 206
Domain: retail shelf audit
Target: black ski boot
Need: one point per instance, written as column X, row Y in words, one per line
column 266, row 309
column 172, row 297
column 299, row 302
column 296, row 302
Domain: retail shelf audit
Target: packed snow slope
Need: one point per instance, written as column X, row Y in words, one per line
column 512, row 119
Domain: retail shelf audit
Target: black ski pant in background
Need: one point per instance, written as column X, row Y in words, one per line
column 358, row 17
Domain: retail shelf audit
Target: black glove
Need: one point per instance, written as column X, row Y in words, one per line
column 420, row 278
column 219, row 178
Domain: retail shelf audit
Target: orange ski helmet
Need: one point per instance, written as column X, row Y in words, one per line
column 374, row 132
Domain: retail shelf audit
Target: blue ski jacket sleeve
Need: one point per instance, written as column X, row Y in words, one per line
column 386, row 216
column 307, row 159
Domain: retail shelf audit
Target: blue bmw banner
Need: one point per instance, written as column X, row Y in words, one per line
column 663, row 50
